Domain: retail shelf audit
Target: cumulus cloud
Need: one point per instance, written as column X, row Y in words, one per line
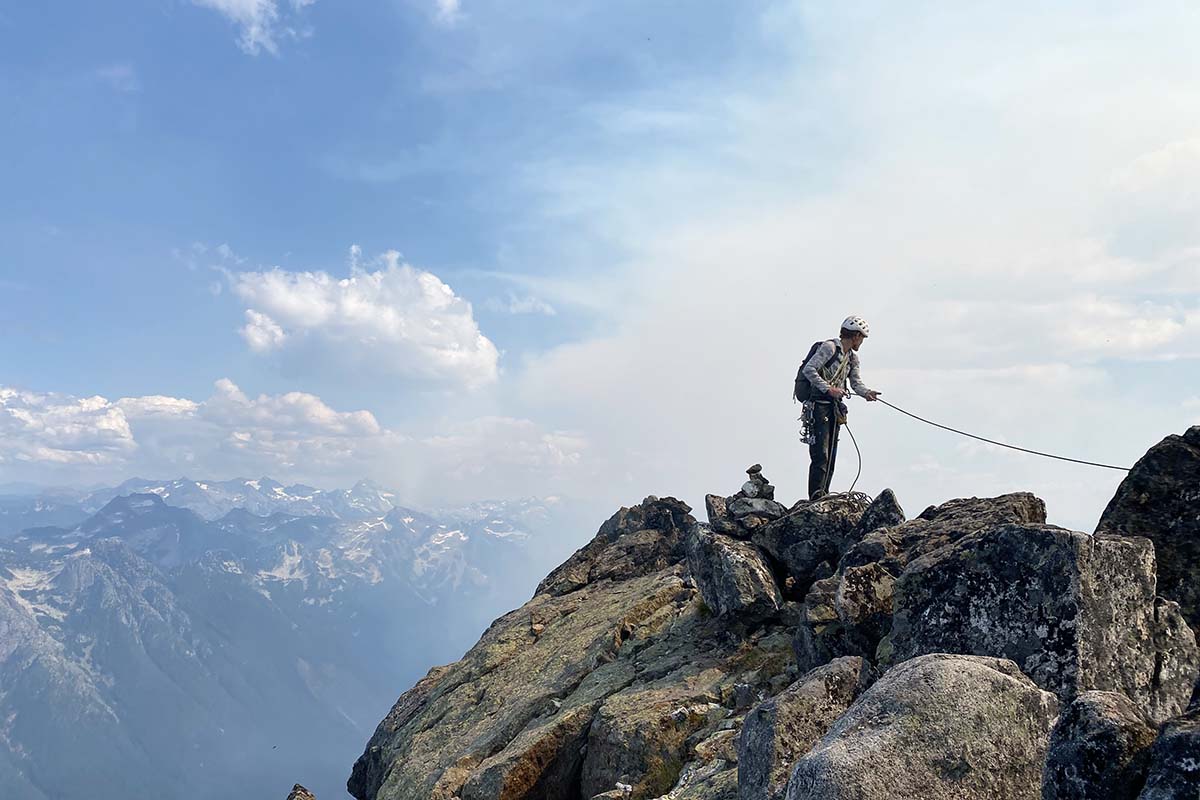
column 262, row 333
column 297, row 412
column 295, row 436
column 395, row 318
column 160, row 432
column 60, row 429
column 261, row 24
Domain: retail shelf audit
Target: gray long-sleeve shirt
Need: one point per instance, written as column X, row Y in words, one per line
column 819, row 378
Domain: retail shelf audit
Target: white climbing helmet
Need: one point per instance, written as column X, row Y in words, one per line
column 857, row 324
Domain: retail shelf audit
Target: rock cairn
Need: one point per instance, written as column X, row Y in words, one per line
column 749, row 509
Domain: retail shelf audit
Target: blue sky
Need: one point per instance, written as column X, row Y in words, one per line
column 143, row 132
column 613, row 228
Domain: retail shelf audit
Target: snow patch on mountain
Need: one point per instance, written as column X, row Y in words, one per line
column 290, row 568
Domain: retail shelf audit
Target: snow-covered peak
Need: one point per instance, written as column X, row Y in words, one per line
column 262, row 496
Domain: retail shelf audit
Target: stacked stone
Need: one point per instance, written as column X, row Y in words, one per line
column 751, row 508
column 734, row 576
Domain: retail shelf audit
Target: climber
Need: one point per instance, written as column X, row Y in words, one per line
column 826, row 370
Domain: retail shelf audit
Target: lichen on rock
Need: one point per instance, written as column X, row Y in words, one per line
column 1159, row 500
column 1099, row 747
column 938, row 727
column 829, row 650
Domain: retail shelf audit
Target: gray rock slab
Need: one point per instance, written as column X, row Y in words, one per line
column 938, row 727
column 811, row 535
column 1075, row 612
column 1099, row 749
column 731, row 575
column 1160, row 499
column 1174, row 772
column 776, row 733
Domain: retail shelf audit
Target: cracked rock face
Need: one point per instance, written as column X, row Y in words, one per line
column 1099, row 749
column 662, row 661
column 732, row 575
column 810, row 540
column 1160, row 500
column 849, row 612
column 938, row 727
column 1174, row 772
column 1175, row 660
column 541, row 761
column 638, row 735
column 634, row 541
column 623, row 679
column 779, row 731
column 1075, row 612
column 884, row 512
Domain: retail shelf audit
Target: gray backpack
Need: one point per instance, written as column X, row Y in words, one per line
column 802, row 391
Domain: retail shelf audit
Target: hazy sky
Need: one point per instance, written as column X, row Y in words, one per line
column 473, row 249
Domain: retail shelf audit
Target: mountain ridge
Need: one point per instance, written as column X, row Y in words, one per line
column 270, row 641
column 828, row 650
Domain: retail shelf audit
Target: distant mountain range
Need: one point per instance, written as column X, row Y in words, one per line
column 209, row 499
column 218, row 639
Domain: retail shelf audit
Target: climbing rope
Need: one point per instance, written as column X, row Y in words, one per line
column 857, row 474
column 989, row 441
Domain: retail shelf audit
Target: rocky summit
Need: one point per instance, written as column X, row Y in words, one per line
column 832, row 649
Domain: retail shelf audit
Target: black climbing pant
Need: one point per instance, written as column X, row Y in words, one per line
column 823, row 450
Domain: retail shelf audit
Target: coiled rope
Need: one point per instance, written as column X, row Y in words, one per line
column 989, row 441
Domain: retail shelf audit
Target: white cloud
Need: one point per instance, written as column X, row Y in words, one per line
column 60, row 439
column 448, row 12
column 297, row 412
column 397, row 320
column 1114, row 327
column 60, row 429
column 269, row 432
column 157, row 405
column 1176, row 164
column 261, row 23
column 891, row 167
column 226, row 253
column 1156, row 201
column 262, row 333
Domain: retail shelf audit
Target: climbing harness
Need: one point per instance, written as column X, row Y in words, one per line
column 993, row 441
column 834, row 377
